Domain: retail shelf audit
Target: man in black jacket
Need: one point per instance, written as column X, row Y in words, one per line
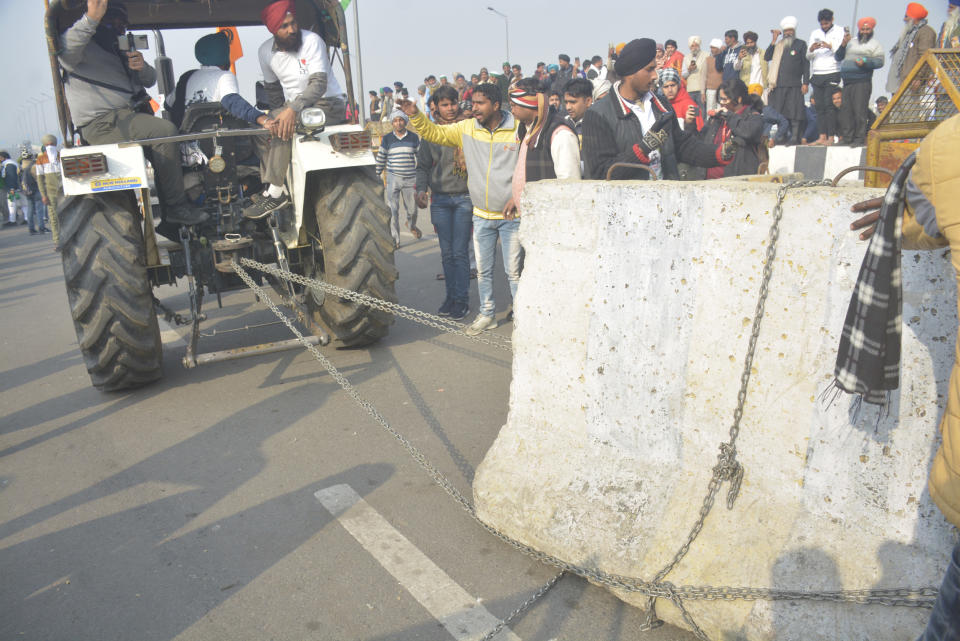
column 788, row 76
column 631, row 124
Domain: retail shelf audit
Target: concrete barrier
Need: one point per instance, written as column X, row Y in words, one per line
column 817, row 163
column 632, row 321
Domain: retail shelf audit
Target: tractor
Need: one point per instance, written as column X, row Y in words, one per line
column 336, row 228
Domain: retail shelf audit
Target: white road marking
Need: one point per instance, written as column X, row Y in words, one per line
column 169, row 336
column 461, row 614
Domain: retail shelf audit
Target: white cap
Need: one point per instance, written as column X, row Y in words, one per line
column 600, row 88
column 693, row 39
column 788, row 23
column 717, row 42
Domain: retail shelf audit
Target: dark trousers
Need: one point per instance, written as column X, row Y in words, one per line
column 823, row 88
column 797, row 128
column 121, row 125
column 275, row 153
column 944, row 624
column 853, row 113
column 452, row 218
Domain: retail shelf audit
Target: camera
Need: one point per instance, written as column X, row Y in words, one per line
column 132, row 42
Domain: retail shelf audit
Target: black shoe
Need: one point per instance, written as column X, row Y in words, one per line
column 23, row 222
column 44, row 230
column 446, row 308
column 34, row 232
column 264, row 206
column 459, row 311
column 168, row 230
column 184, row 214
column 9, row 224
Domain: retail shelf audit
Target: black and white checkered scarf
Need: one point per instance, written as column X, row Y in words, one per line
column 868, row 359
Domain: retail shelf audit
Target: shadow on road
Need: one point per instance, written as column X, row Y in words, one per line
column 131, row 575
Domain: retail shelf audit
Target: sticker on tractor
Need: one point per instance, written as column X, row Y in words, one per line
column 112, row 184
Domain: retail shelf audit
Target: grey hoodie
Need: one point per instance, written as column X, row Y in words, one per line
column 81, row 55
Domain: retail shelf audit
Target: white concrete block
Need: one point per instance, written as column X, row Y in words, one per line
column 632, row 322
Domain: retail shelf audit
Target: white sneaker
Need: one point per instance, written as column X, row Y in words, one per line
column 479, row 324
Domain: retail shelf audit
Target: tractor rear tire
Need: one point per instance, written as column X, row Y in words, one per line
column 353, row 224
column 111, row 302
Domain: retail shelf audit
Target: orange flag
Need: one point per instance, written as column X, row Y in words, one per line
column 236, row 49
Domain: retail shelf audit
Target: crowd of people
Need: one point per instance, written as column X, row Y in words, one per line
column 815, row 91
column 32, row 187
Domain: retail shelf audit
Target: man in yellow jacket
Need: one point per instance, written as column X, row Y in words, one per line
column 489, row 144
column 931, row 220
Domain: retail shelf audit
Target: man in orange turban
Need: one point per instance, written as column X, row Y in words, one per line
column 274, row 14
column 916, row 38
column 861, row 56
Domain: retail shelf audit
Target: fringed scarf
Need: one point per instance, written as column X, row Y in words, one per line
column 868, row 359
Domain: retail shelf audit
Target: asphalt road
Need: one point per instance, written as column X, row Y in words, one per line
column 189, row 509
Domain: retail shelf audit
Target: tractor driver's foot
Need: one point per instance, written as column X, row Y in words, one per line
column 168, row 230
column 265, row 205
column 184, row 214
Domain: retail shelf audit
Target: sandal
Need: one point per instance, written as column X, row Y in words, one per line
column 416, row 233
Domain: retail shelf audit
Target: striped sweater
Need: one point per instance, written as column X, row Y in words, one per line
column 398, row 155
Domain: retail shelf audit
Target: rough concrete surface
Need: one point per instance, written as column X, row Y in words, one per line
column 632, row 323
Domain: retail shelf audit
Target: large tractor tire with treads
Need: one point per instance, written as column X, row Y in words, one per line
column 353, row 223
column 111, row 302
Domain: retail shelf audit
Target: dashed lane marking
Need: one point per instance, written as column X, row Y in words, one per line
column 459, row 613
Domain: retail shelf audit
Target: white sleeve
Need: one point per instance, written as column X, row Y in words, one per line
column 265, row 53
column 226, row 85
column 565, row 149
column 314, row 51
column 836, row 40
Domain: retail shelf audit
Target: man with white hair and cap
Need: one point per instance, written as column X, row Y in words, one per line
column 713, row 78
column 788, row 76
column 398, row 157
column 695, row 72
column 49, row 182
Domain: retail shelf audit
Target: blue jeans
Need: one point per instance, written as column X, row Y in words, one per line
column 34, row 211
column 944, row 623
column 452, row 217
column 485, row 235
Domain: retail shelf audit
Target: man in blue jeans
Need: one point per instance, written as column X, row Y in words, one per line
column 489, row 145
column 443, row 171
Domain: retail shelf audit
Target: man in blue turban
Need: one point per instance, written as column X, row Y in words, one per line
column 212, row 82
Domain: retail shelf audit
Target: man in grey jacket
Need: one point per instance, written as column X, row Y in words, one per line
column 858, row 59
column 443, row 171
column 105, row 87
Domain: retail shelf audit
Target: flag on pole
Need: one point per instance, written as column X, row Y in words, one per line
column 236, row 49
column 344, row 4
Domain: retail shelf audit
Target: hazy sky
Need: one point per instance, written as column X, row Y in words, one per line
column 406, row 41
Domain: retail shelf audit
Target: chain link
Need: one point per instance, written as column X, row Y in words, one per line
column 523, row 606
column 445, row 325
column 727, row 467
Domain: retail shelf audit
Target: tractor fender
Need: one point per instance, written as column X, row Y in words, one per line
column 100, row 168
column 313, row 156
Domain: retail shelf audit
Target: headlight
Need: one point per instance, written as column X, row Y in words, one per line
column 312, row 118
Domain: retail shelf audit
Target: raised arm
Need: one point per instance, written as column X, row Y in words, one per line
column 446, row 135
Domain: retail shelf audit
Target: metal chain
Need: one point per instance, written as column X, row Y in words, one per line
column 169, row 315
column 726, row 469
column 446, row 325
column 523, row 606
